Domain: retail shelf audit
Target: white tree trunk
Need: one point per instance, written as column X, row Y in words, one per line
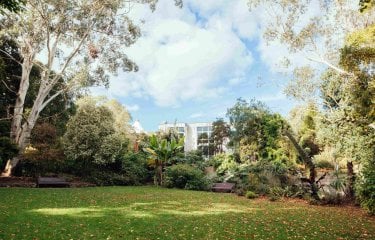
column 20, row 100
column 24, row 133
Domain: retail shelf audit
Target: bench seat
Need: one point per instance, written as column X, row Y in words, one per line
column 223, row 187
column 52, row 182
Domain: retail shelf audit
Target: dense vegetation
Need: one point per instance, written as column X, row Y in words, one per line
column 49, row 126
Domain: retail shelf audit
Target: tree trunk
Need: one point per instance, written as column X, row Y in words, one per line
column 309, row 163
column 351, row 180
column 159, row 174
column 20, row 133
column 15, row 130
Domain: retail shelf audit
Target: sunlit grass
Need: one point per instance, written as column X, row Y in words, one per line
column 157, row 213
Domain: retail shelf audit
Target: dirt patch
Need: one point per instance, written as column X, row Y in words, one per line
column 17, row 182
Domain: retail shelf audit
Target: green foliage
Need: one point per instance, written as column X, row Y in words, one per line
column 91, row 139
column 134, row 167
column 324, row 164
column 7, row 150
column 338, row 182
column 160, row 151
column 45, row 155
column 257, row 132
column 185, row 176
column 193, row 158
column 220, row 132
column 128, row 170
column 251, row 195
column 365, row 186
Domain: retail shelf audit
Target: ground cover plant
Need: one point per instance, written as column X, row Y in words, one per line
column 160, row 213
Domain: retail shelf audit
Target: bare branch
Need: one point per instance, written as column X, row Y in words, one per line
column 10, row 57
column 6, row 85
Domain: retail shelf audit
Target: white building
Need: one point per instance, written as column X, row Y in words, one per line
column 195, row 134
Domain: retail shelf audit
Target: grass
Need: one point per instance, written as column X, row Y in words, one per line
column 157, row 213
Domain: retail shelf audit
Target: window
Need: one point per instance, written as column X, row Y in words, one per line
column 204, row 141
column 180, row 131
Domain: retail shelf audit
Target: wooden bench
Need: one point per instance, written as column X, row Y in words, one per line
column 223, row 187
column 52, row 182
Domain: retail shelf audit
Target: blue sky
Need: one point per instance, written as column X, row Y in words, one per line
column 196, row 61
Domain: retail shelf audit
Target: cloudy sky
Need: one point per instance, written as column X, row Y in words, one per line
column 196, row 61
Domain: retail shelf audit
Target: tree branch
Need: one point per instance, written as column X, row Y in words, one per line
column 10, row 57
column 337, row 69
column 45, row 103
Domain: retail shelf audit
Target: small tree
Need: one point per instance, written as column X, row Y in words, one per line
column 91, row 138
column 160, row 151
column 220, row 133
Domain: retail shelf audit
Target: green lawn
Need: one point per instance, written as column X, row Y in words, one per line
column 157, row 213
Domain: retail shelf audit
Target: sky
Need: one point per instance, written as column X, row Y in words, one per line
column 195, row 62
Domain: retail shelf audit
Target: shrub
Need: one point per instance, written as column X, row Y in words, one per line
column 185, row 176
column 251, row 195
column 324, row 164
column 288, row 191
column 107, row 178
column 366, row 187
column 194, row 158
column 277, row 192
column 332, row 197
column 273, row 198
column 7, row 150
column 134, row 168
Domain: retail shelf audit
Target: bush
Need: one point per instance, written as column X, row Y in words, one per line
column 130, row 169
column 193, row 158
column 134, row 168
column 366, row 187
column 251, row 195
column 107, row 178
column 273, row 198
column 324, row 164
column 332, row 197
column 277, row 192
column 185, row 176
column 8, row 150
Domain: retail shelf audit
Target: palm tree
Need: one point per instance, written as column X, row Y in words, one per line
column 160, row 151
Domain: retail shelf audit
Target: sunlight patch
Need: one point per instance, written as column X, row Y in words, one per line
column 76, row 212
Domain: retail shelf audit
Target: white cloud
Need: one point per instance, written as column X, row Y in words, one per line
column 132, row 108
column 180, row 58
column 196, row 115
column 272, row 97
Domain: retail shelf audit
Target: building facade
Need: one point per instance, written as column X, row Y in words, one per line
column 197, row 135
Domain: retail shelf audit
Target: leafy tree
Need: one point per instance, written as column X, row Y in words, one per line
column 56, row 113
column 160, row 151
column 348, row 101
column 256, row 130
column 220, row 133
column 91, row 139
column 84, row 42
column 306, row 142
column 315, row 36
